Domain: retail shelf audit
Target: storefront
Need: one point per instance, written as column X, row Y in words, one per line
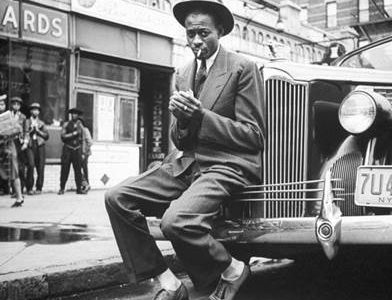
column 119, row 74
column 34, row 63
column 122, row 82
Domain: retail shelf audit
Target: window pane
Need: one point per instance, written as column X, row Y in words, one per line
column 105, row 117
column 331, row 14
column 85, row 102
column 127, row 120
column 107, row 71
column 363, row 10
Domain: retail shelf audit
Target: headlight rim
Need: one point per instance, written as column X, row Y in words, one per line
column 374, row 105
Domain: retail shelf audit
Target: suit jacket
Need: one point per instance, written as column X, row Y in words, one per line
column 229, row 134
column 42, row 133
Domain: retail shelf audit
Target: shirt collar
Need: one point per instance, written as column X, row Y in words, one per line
column 209, row 61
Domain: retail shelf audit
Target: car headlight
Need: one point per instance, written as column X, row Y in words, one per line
column 361, row 111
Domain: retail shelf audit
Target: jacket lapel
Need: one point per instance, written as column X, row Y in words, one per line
column 216, row 80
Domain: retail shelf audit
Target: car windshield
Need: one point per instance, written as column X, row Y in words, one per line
column 378, row 57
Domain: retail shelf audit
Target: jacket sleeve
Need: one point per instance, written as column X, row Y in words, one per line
column 183, row 139
column 246, row 131
column 43, row 132
column 66, row 136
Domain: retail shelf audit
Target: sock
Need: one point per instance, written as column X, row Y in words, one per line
column 234, row 271
column 169, row 281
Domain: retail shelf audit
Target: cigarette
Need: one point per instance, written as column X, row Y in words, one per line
column 198, row 53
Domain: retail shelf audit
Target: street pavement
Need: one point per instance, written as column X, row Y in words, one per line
column 55, row 245
column 368, row 279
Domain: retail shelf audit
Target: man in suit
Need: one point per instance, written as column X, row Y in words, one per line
column 218, row 134
column 72, row 137
column 36, row 136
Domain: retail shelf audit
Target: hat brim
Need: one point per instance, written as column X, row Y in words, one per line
column 33, row 107
column 75, row 111
column 182, row 9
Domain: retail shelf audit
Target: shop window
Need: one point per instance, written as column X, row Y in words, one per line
column 109, row 117
column 127, row 130
column 85, row 102
column 37, row 74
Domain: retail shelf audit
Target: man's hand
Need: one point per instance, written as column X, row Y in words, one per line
column 184, row 106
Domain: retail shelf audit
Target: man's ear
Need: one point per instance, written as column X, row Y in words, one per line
column 221, row 30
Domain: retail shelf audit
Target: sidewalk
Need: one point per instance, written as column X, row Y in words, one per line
column 57, row 245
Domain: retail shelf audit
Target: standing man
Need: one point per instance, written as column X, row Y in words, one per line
column 36, row 136
column 16, row 104
column 72, row 136
column 218, row 134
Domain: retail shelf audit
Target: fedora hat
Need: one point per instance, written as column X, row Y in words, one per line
column 222, row 14
column 35, row 105
column 17, row 99
column 75, row 110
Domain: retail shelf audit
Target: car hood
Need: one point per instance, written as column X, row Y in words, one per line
column 308, row 72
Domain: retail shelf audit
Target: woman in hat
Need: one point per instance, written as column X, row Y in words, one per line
column 8, row 159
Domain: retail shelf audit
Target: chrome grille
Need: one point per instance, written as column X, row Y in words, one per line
column 345, row 168
column 285, row 152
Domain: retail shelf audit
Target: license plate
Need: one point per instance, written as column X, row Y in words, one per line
column 374, row 186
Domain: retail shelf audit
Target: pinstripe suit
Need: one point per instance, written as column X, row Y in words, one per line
column 221, row 154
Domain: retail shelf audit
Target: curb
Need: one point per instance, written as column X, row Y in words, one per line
column 66, row 280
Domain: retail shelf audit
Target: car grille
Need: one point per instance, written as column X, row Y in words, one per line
column 285, row 152
column 345, row 168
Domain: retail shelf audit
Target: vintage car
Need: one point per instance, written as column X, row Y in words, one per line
column 327, row 167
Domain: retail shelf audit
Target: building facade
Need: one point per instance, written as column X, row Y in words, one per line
column 115, row 61
column 354, row 22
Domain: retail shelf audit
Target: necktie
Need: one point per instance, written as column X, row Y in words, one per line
column 200, row 77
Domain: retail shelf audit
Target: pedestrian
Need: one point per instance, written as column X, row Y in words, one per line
column 8, row 154
column 218, row 134
column 86, row 152
column 72, row 137
column 35, row 138
column 16, row 104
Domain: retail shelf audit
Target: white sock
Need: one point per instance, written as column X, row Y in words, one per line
column 234, row 271
column 169, row 281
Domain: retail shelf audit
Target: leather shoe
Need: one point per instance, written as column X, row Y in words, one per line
column 60, row 192
column 226, row 290
column 18, row 203
column 180, row 294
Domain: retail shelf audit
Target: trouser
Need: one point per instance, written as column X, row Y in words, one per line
column 4, row 186
column 191, row 202
column 35, row 160
column 69, row 156
column 21, row 155
column 85, row 169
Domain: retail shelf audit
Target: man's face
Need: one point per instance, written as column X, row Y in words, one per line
column 15, row 106
column 74, row 116
column 2, row 106
column 34, row 112
column 202, row 34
